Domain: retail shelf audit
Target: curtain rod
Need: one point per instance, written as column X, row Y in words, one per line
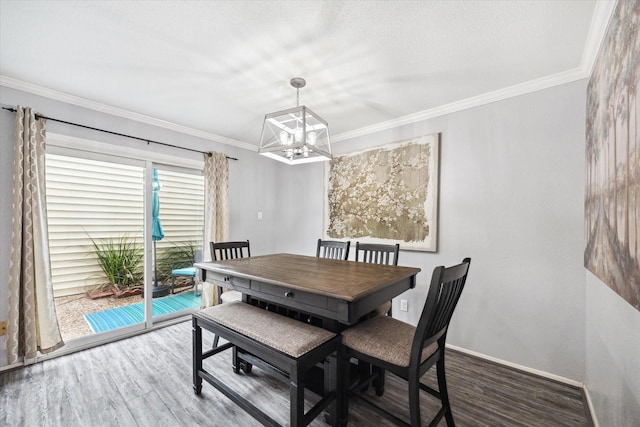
column 40, row 116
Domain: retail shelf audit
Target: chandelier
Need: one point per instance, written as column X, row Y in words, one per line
column 297, row 135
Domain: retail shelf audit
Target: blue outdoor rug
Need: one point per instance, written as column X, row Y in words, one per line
column 114, row 318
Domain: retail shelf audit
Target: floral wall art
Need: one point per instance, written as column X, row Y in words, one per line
column 387, row 194
column 612, row 196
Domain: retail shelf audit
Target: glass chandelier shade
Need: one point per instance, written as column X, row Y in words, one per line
column 294, row 136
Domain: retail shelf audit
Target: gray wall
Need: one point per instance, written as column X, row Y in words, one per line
column 511, row 197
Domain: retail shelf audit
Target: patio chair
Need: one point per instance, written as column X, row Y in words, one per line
column 185, row 268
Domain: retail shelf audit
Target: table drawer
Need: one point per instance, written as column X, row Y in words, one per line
column 293, row 295
column 227, row 281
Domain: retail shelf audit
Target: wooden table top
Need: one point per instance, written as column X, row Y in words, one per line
column 344, row 280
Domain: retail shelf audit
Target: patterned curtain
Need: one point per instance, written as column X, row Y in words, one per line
column 32, row 325
column 216, row 216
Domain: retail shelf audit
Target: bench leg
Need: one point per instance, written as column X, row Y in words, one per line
column 296, row 398
column 197, row 357
column 342, row 384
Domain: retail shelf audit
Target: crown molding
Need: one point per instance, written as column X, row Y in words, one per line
column 599, row 23
column 597, row 31
column 476, row 101
column 13, row 83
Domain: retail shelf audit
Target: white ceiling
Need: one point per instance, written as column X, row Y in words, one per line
column 217, row 67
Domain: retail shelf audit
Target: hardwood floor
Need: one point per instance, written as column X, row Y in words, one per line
column 147, row 381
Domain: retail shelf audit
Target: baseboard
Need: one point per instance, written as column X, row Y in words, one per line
column 590, row 408
column 543, row 374
column 11, row 367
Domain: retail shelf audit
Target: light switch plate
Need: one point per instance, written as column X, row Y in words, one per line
column 404, row 305
column 3, row 328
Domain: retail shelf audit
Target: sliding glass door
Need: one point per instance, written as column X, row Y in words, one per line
column 95, row 213
column 123, row 237
column 177, row 222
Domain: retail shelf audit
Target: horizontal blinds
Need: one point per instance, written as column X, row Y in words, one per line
column 102, row 200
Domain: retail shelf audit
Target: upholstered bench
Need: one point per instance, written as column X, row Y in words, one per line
column 286, row 346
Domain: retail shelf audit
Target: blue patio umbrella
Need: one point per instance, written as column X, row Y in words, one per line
column 156, row 227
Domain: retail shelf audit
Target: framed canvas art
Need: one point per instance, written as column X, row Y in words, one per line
column 612, row 169
column 387, row 194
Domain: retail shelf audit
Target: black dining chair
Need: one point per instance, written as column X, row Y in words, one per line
column 408, row 351
column 333, row 249
column 228, row 250
column 378, row 254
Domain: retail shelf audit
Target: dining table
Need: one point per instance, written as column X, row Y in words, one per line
column 333, row 294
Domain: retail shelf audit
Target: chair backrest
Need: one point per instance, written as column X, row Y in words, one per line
column 444, row 292
column 333, row 249
column 377, row 254
column 229, row 250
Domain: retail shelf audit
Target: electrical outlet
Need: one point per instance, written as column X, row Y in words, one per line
column 404, row 305
column 259, row 216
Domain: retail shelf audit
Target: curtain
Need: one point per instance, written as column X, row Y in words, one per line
column 216, row 216
column 32, row 324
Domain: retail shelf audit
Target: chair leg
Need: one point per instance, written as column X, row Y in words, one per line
column 173, row 283
column 216, row 338
column 414, row 400
column 378, row 380
column 444, row 394
column 197, row 357
column 364, row 371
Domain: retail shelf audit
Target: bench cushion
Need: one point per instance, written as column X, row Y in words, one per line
column 282, row 333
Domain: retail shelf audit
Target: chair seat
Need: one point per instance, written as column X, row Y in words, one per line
column 383, row 309
column 385, row 338
column 229, row 296
column 186, row 271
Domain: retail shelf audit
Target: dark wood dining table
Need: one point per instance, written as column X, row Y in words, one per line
column 334, row 293
column 338, row 292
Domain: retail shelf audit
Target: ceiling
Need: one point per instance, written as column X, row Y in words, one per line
column 216, row 67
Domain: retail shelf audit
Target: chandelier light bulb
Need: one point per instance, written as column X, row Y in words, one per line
column 284, row 137
column 311, row 138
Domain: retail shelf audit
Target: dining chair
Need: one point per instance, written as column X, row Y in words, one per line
column 228, row 250
column 185, row 268
column 408, row 351
column 333, row 249
column 376, row 253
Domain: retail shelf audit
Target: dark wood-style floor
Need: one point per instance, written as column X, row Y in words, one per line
column 147, row 381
